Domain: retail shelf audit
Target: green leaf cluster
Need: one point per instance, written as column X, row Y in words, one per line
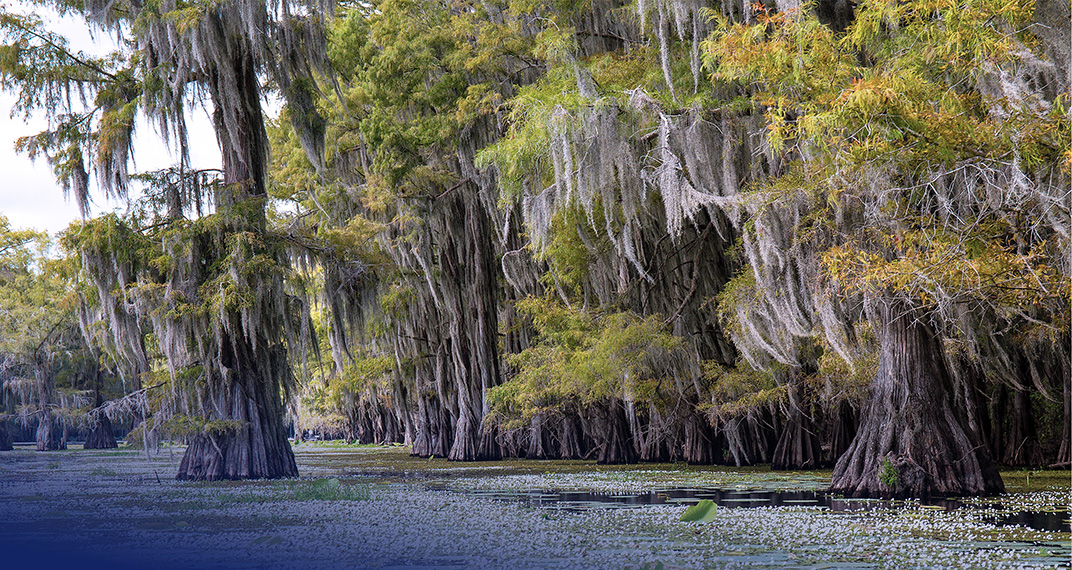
column 583, row 358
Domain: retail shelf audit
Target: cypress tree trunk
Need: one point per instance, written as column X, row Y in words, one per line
column 912, row 442
column 101, row 435
column 701, row 446
column 5, row 437
column 843, row 426
column 254, row 445
column 1064, row 453
column 49, row 433
column 798, row 446
column 422, row 440
column 469, row 284
column 253, row 364
column 1022, row 448
column 571, row 440
column 998, row 416
column 616, row 444
column 539, row 440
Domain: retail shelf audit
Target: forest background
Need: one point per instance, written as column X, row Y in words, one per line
column 804, row 234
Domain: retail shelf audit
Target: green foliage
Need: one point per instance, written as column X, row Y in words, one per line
column 329, row 490
column 919, row 168
column 705, row 511
column 583, row 358
column 47, row 371
column 738, row 390
column 888, row 474
column 182, row 426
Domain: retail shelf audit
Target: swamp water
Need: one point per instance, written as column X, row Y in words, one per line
column 358, row 507
column 1052, row 521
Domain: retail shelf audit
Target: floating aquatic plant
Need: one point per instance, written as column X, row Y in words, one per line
column 704, row 511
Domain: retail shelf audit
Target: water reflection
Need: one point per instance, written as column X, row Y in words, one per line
column 728, row 498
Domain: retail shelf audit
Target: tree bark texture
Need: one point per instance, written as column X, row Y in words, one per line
column 101, row 435
column 470, row 297
column 843, row 424
column 253, row 366
column 912, row 441
column 50, row 433
column 616, row 443
column 798, row 445
column 5, row 437
column 1022, row 448
column 256, row 447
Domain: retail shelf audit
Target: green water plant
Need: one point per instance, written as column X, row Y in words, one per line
column 330, row 490
column 888, row 474
column 704, row 511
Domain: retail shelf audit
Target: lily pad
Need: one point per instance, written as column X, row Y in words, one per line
column 704, row 511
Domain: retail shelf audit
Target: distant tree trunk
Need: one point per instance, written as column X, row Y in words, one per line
column 749, row 437
column 1064, row 453
column 539, row 439
column 998, row 417
column 571, row 439
column 422, row 438
column 648, row 430
column 49, row 432
column 5, row 437
column 101, row 435
column 616, row 444
column 1022, row 448
column 912, row 442
column 843, row 425
column 798, row 446
column 701, row 445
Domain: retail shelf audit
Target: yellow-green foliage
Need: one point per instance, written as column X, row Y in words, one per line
column 568, row 253
column 36, row 300
column 926, row 167
column 360, row 375
column 934, row 261
column 181, row 426
column 895, row 87
column 582, row 358
column 738, row 390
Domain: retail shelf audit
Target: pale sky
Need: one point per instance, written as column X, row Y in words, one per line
column 30, row 197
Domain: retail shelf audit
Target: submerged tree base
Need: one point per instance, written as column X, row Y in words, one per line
column 233, row 457
column 101, row 436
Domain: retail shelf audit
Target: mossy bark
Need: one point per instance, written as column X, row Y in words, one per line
column 50, row 433
column 101, row 435
column 253, row 445
column 5, row 437
column 616, row 442
column 798, row 444
column 245, row 383
column 913, row 442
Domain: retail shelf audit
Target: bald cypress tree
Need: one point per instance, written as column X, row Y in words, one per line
column 211, row 286
column 924, row 219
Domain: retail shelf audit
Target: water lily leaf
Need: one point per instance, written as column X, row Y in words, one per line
column 704, row 511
